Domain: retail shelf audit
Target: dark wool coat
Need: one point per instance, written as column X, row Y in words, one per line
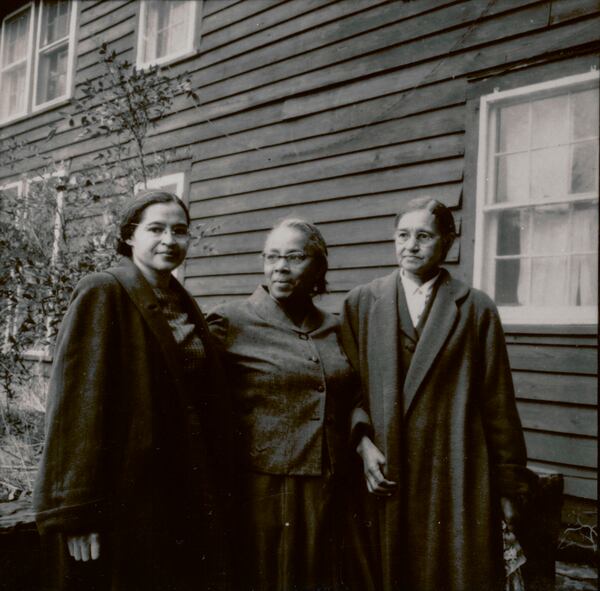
column 132, row 450
column 456, row 448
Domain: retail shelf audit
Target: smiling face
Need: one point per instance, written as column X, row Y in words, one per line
column 420, row 248
column 287, row 280
column 160, row 240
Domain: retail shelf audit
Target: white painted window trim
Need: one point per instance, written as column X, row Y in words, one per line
column 28, row 81
column 32, row 61
column 70, row 59
column 191, row 45
column 487, row 103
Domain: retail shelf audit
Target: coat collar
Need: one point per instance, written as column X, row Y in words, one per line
column 440, row 323
column 268, row 309
column 142, row 295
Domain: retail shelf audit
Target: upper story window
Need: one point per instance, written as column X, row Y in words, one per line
column 37, row 52
column 537, row 193
column 166, row 30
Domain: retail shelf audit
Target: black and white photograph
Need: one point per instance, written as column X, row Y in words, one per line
column 299, row 295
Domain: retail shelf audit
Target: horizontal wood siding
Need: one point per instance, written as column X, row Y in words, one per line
column 340, row 112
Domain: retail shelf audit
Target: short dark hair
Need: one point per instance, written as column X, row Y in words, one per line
column 132, row 212
column 443, row 217
column 316, row 244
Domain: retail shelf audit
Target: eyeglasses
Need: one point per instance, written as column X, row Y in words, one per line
column 179, row 233
column 293, row 258
column 421, row 238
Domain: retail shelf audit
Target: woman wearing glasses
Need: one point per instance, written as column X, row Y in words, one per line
column 135, row 463
column 293, row 391
column 439, row 435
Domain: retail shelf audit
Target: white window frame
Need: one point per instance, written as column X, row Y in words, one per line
column 192, row 43
column 31, row 7
column 159, row 182
column 70, row 58
column 521, row 315
column 33, row 52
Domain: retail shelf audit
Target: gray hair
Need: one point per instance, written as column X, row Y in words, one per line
column 315, row 244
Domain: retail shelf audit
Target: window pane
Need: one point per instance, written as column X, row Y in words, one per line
column 583, row 282
column 512, row 178
column 55, row 21
column 508, row 273
column 548, row 281
column 511, row 226
column 166, row 28
column 585, row 224
column 13, row 91
column 549, row 173
column 513, row 128
column 584, row 113
column 584, row 167
column 16, row 33
column 550, row 230
column 52, row 74
column 549, row 121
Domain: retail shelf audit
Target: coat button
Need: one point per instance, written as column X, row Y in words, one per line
column 410, row 347
column 303, row 336
column 314, row 359
column 321, row 388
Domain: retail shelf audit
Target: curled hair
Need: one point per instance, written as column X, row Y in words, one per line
column 133, row 210
column 444, row 219
column 315, row 245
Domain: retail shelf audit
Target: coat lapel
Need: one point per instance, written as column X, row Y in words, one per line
column 384, row 333
column 439, row 325
column 140, row 292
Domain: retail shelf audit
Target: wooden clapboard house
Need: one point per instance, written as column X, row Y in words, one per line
column 341, row 110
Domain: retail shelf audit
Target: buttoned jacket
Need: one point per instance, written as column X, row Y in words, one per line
column 292, row 386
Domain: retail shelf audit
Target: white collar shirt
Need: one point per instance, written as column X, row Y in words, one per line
column 416, row 295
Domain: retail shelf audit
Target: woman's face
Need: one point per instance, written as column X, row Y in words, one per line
column 420, row 248
column 160, row 240
column 289, row 279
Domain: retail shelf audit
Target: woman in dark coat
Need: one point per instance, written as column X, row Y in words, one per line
column 135, row 466
column 438, row 433
column 293, row 390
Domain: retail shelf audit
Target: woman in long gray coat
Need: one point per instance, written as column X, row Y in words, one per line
column 293, row 390
column 438, row 432
column 129, row 494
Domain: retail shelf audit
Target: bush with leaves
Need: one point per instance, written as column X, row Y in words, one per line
column 64, row 226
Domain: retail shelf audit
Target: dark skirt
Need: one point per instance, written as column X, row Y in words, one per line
column 288, row 533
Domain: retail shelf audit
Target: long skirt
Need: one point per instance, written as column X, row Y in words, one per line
column 287, row 533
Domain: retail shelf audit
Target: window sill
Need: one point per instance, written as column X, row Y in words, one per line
column 552, row 329
column 169, row 60
column 36, row 111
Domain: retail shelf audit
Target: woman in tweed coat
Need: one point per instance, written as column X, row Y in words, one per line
column 129, row 492
column 293, row 392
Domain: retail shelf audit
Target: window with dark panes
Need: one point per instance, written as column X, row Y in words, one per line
column 538, row 201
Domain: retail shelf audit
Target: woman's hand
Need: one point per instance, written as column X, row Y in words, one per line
column 373, row 467
column 509, row 511
column 86, row 547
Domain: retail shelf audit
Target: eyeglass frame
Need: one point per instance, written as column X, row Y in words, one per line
column 174, row 235
column 301, row 257
column 424, row 241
